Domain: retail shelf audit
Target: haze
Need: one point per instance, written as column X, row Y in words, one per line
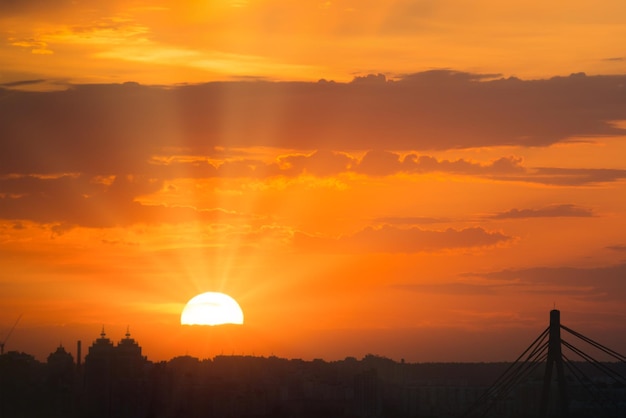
column 415, row 179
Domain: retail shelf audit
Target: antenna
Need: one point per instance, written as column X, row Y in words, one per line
column 9, row 334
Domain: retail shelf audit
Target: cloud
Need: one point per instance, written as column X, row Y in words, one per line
column 570, row 176
column 23, row 83
column 604, row 283
column 384, row 163
column 596, row 283
column 100, row 200
column 380, row 163
column 59, row 10
column 380, row 79
column 391, row 239
column 36, row 46
column 452, row 288
column 421, row 164
column 320, row 163
column 108, row 128
column 15, row 7
column 553, row 211
column 410, row 220
column 76, row 200
column 57, row 146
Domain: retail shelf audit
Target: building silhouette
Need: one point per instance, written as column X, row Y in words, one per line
column 61, row 370
column 114, row 378
column 61, row 379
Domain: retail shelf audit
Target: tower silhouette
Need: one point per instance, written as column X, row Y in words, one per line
column 555, row 359
column 596, row 386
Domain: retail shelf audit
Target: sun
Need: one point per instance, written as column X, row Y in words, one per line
column 211, row 308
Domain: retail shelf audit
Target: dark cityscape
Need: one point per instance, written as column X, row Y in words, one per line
column 116, row 379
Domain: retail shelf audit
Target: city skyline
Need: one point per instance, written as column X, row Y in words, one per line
column 412, row 179
column 116, row 379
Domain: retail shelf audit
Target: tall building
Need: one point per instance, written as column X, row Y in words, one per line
column 60, row 383
column 98, row 377
column 114, row 378
column 61, row 367
column 128, row 360
column 129, row 395
column 99, row 356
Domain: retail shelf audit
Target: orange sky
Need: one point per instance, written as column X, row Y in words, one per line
column 415, row 179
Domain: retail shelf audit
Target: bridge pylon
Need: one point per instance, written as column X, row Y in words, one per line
column 555, row 359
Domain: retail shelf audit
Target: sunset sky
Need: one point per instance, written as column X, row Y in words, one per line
column 418, row 179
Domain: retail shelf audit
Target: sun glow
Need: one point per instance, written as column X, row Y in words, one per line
column 211, row 308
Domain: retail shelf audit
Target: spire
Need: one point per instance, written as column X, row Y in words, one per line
column 127, row 332
column 103, row 334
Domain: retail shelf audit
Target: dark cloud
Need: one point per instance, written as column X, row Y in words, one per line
column 571, row 176
column 598, row 283
column 199, row 169
column 22, row 83
column 113, row 129
column 380, row 163
column 552, row 176
column 370, row 79
column 57, row 146
column 320, row 163
column 618, row 247
column 452, row 288
column 383, row 163
column 422, row 164
column 69, row 201
column 604, row 283
column 47, row 8
column 9, row 7
column 410, row 220
column 107, row 200
column 510, row 168
column 119, row 243
column 553, row 211
column 391, row 239
column 241, row 168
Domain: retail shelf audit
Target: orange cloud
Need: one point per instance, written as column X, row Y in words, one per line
column 590, row 284
column 391, row 239
column 553, row 211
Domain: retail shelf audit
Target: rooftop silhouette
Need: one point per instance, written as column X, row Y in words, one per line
column 117, row 380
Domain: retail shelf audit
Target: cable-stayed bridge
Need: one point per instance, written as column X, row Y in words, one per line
column 575, row 382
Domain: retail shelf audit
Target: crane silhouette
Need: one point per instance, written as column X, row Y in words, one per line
column 9, row 334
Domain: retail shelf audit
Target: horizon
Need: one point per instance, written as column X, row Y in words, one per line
column 413, row 179
column 608, row 355
column 208, row 342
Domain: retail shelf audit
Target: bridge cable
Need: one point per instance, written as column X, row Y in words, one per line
column 581, row 377
column 512, row 373
column 599, row 346
column 597, row 364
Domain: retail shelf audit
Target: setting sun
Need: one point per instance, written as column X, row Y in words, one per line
column 211, row 308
